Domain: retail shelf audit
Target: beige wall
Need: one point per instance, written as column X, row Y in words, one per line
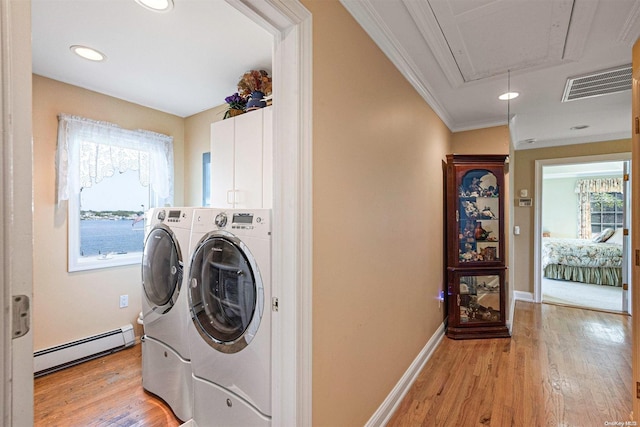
column 197, row 132
column 524, row 178
column 493, row 140
column 69, row 306
column 378, row 222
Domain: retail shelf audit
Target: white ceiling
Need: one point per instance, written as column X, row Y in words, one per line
column 583, row 169
column 456, row 53
column 181, row 62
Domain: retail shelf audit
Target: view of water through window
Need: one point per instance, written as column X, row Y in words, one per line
column 112, row 215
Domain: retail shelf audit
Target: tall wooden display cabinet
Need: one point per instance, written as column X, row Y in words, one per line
column 476, row 267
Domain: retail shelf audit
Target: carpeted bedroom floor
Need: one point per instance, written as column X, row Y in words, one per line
column 581, row 294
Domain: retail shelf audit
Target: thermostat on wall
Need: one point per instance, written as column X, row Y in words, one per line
column 526, row 202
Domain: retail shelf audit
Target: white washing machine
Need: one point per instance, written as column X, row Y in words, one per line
column 230, row 333
column 166, row 361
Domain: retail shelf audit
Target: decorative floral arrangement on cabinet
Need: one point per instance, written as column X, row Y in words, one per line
column 254, row 92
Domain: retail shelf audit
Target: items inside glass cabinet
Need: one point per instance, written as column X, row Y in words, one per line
column 480, row 298
column 478, row 212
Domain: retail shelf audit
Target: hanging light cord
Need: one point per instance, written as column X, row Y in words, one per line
column 509, row 98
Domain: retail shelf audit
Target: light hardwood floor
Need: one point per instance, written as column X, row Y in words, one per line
column 562, row 367
column 104, row 392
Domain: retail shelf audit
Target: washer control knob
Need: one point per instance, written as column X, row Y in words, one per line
column 161, row 215
column 221, row 220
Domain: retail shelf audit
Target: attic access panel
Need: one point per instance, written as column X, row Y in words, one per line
column 490, row 37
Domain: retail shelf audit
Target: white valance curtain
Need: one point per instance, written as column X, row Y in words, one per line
column 101, row 148
column 584, row 188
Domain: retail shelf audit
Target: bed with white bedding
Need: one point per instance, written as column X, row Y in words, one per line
column 583, row 260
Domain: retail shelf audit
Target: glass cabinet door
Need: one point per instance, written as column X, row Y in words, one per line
column 479, row 298
column 477, row 303
column 478, row 217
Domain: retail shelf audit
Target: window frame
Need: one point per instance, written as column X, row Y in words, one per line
column 153, row 154
column 617, row 210
column 77, row 262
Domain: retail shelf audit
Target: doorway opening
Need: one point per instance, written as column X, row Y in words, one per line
column 581, row 233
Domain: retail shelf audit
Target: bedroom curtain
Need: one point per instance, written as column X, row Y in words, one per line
column 90, row 150
column 584, row 188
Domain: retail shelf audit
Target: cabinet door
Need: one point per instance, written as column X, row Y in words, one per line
column 222, row 163
column 479, row 299
column 477, row 304
column 479, row 216
column 267, row 158
column 248, row 160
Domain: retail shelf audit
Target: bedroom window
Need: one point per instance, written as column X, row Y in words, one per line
column 600, row 205
column 109, row 176
column 606, row 211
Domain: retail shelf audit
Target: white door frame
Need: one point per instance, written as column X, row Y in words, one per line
column 627, row 274
column 537, row 228
column 290, row 24
column 16, row 200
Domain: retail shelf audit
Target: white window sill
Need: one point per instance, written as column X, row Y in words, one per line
column 104, row 261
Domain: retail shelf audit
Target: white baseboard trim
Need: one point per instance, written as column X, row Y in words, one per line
column 382, row 416
column 522, row 296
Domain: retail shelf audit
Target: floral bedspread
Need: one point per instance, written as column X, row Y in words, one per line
column 580, row 253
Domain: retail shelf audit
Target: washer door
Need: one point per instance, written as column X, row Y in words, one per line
column 161, row 269
column 226, row 294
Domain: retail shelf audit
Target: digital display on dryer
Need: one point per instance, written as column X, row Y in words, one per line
column 243, row 218
column 174, row 214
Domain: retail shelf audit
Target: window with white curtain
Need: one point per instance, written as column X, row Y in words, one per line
column 110, row 176
column 591, row 193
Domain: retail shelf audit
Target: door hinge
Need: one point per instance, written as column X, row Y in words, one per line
column 638, row 390
column 20, row 315
column 625, row 177
column 637, row 257
column 625, row 286
column 274, row 304
column 637, row 125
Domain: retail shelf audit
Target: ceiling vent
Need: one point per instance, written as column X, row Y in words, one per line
column 599, row 83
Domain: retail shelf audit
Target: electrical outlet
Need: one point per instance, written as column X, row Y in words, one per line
column 124, row 301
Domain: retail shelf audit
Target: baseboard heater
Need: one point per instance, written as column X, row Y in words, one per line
column 69, row 354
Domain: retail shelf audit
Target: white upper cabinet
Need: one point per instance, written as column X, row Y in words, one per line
column 241, row 161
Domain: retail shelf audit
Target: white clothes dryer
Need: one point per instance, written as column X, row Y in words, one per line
column 230, row 333
column 166, row 361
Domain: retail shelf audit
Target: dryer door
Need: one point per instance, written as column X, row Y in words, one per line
column 226, row 293
column 161, row 269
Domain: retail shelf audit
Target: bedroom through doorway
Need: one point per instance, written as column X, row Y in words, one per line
column 583, row 248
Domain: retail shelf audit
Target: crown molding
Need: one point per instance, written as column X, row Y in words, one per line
column 365, row 14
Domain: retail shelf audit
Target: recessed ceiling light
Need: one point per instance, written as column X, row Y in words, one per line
column 579, row 127
column 88, row 53
column 156, row 5
column 508, row 95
